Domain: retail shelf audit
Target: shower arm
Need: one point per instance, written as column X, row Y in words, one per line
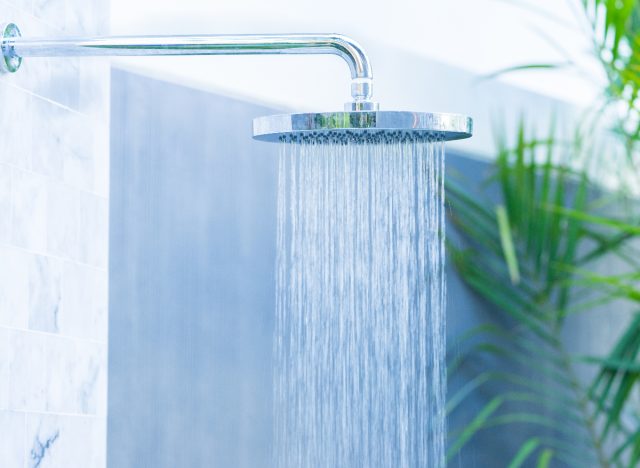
column 15, row 48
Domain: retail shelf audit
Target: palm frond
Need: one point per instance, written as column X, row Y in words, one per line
column 519, row 254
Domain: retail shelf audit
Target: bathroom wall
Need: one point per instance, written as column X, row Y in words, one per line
column 54, row 156
column 192, row 255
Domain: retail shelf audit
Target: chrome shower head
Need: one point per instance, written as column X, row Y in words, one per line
column 362, row 126
column 360, row 121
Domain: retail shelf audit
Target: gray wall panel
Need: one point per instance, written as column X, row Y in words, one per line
column 191, row 279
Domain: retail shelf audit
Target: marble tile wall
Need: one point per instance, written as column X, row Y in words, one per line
column 54, row 176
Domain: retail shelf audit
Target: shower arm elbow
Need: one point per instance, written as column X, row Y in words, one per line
column 15, row 48
column 361, row 72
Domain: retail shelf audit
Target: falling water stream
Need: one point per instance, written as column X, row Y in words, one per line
column 360, row 330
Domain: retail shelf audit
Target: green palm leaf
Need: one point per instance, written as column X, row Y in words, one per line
column 519, row 256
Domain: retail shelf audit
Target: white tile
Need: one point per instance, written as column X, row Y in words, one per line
column 99, row 443
column 12, row 430
column 16, row 122
column 52, row 12
column 75, row 376
column 63, row 145
column 79, row 165
column 27, row 371
column 4, row 369
column 29, row 210
column 22, row 5
column 102, row 158
column 84, row 302
column 94, row 98
column 61, row 363
column 65, row 442
column 80, row 17
column 50, row 157
column 72, row 17
column 79, row 170
column 56, row 79
column 45, row 439
column 45, row 299
column 5, row 203
column 48, row 373
column 102, row 384
column 48, row 150
column 63, row 83
column 62, row 221
column 93, row 219
column 14, row 287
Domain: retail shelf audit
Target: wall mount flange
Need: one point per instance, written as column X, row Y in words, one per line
column 11, row 61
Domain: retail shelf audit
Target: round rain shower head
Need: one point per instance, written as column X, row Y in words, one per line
column 361, row 121
column 362, row 126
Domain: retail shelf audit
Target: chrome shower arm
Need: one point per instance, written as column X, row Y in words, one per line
column 15, row 47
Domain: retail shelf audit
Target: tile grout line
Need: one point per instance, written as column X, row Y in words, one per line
column 52, row 179
column 76, row 112
column 54, row 335
column 55, row 103
column 55, row 413
column 55, row 257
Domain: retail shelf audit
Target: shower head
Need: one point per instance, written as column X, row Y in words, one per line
column 362, row 126
column 360, row 121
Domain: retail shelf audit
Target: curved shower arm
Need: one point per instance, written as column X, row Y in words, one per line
column 15, row 48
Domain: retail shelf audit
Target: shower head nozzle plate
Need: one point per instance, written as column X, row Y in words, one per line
column 288, row 127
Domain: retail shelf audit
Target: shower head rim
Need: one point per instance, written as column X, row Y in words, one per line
column 443, row 126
